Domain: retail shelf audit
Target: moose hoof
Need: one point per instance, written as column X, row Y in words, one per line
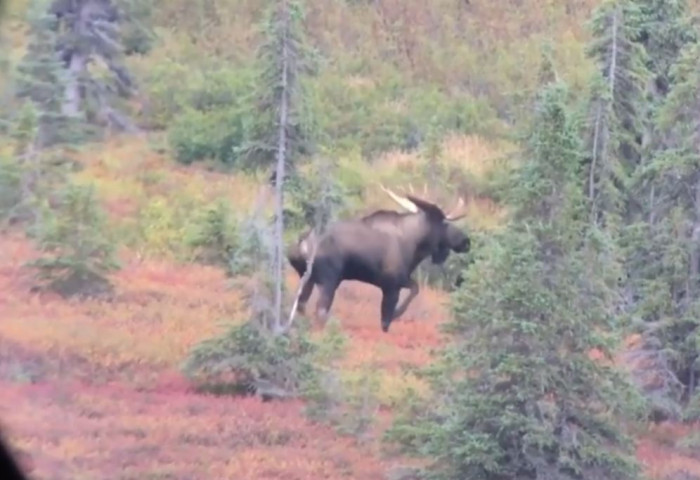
column 321, row 317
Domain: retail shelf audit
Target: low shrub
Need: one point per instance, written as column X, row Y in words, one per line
column 77, row 250
column 198, row 135
column 10, row 188
column 213, row 234
column 250, row 359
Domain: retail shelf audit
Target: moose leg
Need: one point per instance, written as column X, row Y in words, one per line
column 412, row 285
column 304, row 295
column 390, row 297
column 325, row 300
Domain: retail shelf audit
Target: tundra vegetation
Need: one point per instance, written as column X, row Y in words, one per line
column 179, row 178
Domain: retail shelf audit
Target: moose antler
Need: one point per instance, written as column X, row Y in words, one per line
column 422, row 195
column 403, row 201
column 411, row 207
column 452, row 215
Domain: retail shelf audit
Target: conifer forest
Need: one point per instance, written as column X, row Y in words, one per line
column 350, row 239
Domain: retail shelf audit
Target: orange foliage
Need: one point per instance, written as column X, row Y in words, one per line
column 410, row 338
column 73, row 429
column 108, row 397
column 661, row 457
column 158, row 312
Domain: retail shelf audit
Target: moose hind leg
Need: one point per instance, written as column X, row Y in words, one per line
column 325, row 300
column 390, row 297
column 412, row 285
column 304, row 296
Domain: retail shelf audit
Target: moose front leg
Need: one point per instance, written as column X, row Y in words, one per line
column 412, row 285
column 390, row 297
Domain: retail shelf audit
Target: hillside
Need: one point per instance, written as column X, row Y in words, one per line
column 84, row 395
column 404, row 91
column 92, row 387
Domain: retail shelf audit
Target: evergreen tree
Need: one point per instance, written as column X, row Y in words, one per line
column 278, row 134
column 636, row 43
column 663, row 248
column 665, row 27
column 616, row 118
column 517, row 394
column 136, row 33
column 285, row 38
column 77, row 255
column 41, row 76
column 65, row 37
column 91, row 31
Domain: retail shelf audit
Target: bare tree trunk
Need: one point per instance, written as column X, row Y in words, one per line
column 279, row 180
column 594, row 165
column 78, row 62
column 694, row 248
column 694, row 258
column 652, row 205
column 72, row 98
column 613, row 57
column 597, row 137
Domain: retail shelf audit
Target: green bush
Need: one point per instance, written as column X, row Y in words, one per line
column 213, row 234
column 252, row 246
column 210, row 112
column 76, row 252
column 219, row 88
column 445, row 276
column 166, row 85
column 136, row 37
column 172, row 88
column 212, row 116
column 10, row 188
column 249, row 358
column 386, row 115
column 314, row 196
column 161, row 227
column 198, row 135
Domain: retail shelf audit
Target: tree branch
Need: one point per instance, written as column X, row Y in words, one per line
column 303, row 281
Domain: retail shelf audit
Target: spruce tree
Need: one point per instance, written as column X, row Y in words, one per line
column 636, row 44
column 41, row 77
column 284, row 33
column 663, row 248
column 616, row 112
column 277, row 136
column 665, row 27
column 657, row 237
column 65, row 37
column 89, row 32
column 516, row 394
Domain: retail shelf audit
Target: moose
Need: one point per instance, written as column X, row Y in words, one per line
column 382, row 249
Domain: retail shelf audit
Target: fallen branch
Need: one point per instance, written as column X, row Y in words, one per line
column 304, row 279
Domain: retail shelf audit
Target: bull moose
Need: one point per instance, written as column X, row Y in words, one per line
column 382, row 249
